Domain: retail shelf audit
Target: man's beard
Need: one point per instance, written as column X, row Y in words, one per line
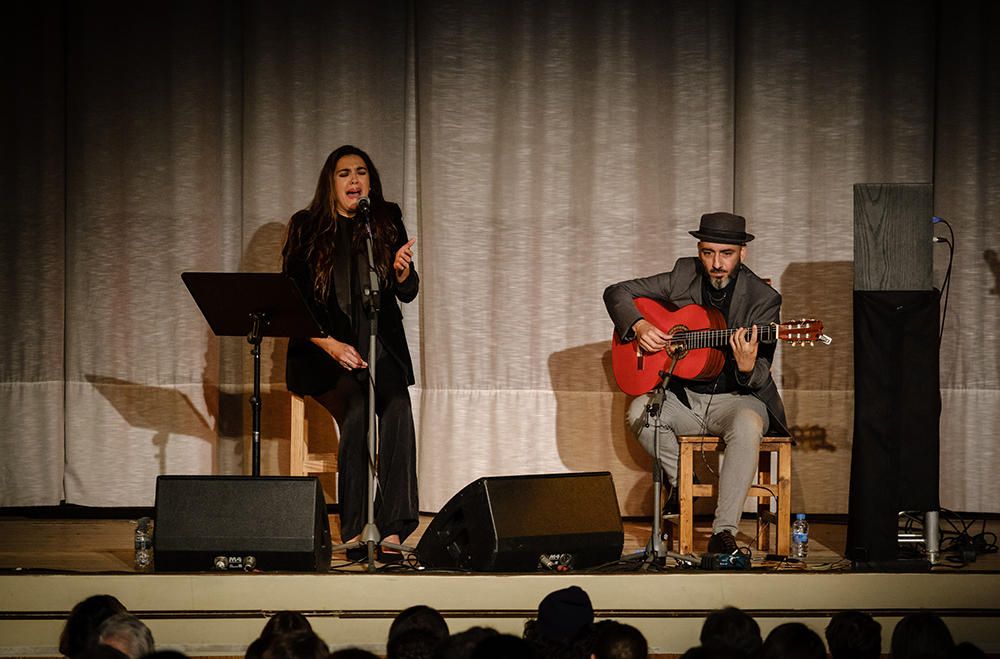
column 719, row 283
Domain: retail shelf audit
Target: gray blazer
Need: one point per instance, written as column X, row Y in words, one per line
column 754, row 302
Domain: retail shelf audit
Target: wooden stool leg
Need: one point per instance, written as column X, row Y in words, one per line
column 685, row 496
column 297, row 447
column 784, row 499
column 763, row 502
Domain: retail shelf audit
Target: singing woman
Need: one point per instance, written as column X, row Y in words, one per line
column 325, row 254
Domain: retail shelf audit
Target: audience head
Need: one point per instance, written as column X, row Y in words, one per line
column 414, row 643
column 101, row 651
column 127, row 633
column 793, row 640
column 614, row 640
column 353, row 653
column 503, row 646
column 715, row 652
column 419, row 617
column 563, row 629
column 84, row 620
column 256, row 648
column 563, row 614
column 731, row 628
column 967, row 650
column 923, row 635
column 461, row 645
column 284, row 622
column 854, row 635
column 299, row 644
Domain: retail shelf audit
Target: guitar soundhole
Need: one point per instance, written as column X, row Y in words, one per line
column 678, row 350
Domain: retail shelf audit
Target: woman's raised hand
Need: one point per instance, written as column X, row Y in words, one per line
column 404, row 256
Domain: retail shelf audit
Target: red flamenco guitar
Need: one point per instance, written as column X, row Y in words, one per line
column 697, row 332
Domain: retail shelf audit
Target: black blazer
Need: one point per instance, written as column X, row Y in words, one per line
column 309, row 370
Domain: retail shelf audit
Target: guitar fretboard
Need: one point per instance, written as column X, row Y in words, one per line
column 720, row 337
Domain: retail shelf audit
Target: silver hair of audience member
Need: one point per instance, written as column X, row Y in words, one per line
column 127, row 633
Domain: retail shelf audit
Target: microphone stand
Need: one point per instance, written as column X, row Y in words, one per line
column 258, row 322
column 656, row 551
column 370, row 537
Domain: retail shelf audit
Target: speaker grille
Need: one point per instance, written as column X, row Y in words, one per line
column 281, row 521
column 505, row 523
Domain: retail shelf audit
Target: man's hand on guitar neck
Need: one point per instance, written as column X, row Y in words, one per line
column 649, row 336
column 744, row 349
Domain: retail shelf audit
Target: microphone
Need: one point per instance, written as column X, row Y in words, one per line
column 937, row 220
column 364, row 211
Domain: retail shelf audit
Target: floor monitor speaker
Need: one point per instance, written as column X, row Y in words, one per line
column 240, row 522
column 521, row 523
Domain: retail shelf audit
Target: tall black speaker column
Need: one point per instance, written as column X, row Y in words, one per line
column 897, row 406
column 897, row 396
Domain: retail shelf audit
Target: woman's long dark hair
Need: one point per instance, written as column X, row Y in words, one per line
column 312, row 233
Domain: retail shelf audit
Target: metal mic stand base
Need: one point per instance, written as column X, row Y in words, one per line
column 371, row 540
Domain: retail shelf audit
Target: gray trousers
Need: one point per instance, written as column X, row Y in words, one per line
column 740, row 420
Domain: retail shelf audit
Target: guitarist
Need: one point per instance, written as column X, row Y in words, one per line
column 739, row 405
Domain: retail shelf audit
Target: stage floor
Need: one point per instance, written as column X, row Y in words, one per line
column 47, row 565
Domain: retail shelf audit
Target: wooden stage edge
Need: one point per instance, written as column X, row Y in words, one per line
column 208, row 614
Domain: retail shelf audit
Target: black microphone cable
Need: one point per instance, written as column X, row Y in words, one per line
column 946, row 284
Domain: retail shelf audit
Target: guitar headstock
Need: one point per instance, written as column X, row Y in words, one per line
column 806, row 331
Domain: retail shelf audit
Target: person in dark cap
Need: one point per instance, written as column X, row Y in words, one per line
column 741, row 403
column 564, row 624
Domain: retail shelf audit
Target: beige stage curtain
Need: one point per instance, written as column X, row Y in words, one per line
column 32, row 259
column 540, row 151
column 563, row 147
column 967, row 194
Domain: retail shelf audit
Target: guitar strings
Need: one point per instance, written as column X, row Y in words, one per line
column 713, row 337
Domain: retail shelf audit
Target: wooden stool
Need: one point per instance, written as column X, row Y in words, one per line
column 301, row 461
column 766, row 488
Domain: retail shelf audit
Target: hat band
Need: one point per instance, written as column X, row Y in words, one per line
column 723, row 233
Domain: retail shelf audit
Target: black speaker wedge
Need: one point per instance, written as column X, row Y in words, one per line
column 517, row 523
column 240, row 522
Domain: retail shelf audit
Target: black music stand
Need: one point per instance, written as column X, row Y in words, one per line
column 254, row 305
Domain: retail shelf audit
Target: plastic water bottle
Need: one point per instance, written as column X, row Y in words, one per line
column 144, row 545
column 800, row 536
